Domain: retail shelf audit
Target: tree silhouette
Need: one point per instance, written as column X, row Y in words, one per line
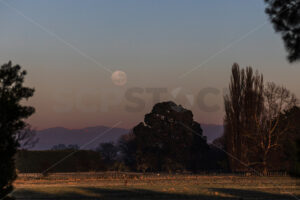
column 169, row 140
column 270, row 127
column 285, row 16
column 127, row 146
column 254, row 121
column 12, row 114
column 291, row 142
column 27, row 138
column 108, row 151
column 242, row 105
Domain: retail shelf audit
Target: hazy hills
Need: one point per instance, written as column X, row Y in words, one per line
column 91, row 137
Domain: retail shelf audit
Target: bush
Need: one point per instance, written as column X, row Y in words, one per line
column 39, row 161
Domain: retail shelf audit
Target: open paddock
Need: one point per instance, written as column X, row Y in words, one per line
column 117, row 186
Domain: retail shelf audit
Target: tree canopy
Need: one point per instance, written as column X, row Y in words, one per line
column 285, row 16
column 108, row 151
column 12, row 115
column 255, row 124
column 169, row 139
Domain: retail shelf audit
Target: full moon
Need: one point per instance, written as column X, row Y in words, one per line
column 119, row 78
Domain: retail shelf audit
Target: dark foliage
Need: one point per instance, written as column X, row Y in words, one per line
column 108, row 151
column 255, row 123
column 291, row 142
column 12, row 114
column 110, row 154
column 39, row 161
column 168, row 140
column 285, row 16
column 27, row 138
column 243, row 105
column 127, row 145
column 218, row 157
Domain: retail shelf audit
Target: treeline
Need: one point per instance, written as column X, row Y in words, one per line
column 112, row 159
column 262, row 134
column 170, row 140
column 262, row 124
column 58, row 161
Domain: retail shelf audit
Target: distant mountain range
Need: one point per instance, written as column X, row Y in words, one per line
column 91, row 137
column 212, row 131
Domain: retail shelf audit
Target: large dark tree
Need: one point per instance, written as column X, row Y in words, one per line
column 285, row 16
column 271, row 126
column 254, row 123
column 12, row 115
column 169, row 139
column 243, row 107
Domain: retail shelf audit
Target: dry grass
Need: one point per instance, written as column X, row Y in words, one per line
column 153, row 186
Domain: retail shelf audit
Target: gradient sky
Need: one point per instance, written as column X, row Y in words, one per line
column 69, row 48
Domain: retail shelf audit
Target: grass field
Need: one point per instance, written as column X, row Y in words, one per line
column 115, row 186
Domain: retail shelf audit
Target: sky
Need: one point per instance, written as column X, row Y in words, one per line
column 179, row 50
